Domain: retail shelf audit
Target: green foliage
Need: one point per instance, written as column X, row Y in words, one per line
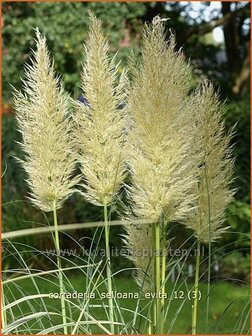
column 236, row 265
column 237, row 113
column 65, row 27
column 239, row 217
column 13, row 186
column 238, row 212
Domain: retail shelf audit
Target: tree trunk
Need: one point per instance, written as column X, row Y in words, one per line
column 231, row 40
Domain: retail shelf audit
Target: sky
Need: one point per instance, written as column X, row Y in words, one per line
column 196, row 5
column 209, row 13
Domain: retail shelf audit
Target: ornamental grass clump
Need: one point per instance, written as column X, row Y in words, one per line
column 100, row 130
column 173, row 144
column 215, row 170
column 43, row 120
column 162, row 171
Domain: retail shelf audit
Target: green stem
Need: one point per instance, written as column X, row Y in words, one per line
column 108, row 268
column 196, row 291
column 3, row 312
column 208, row 282
column 163, row 270
column 154, row 303
column 158, row 278
column 61, row 284
column 209, row 252
column 150, row 324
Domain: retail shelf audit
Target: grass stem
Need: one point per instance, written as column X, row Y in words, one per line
column 209, row 252
column 3, row 312
column 150, row 329
column 208, row 283
column 163, row 273
column 158, row 275
column 154, row 301
column 196, row 291
column 108, row 268
column 61, row 284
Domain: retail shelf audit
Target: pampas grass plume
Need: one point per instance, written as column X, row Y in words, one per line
column 158, row 139
column 162, row 172
column 100, row 124
column 215, row 168
column 42, row 116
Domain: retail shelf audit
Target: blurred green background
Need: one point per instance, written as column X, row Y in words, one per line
column 213, row 35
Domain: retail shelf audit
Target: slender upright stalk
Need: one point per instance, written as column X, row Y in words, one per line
column 108, row 267
column 154, row 302
column 158, row 277
column 154, row 317
column 196, row 291
column 208, row 282
column 61, row 284
column 150, row 328
column 163, row 271
column 3, row 312
column 209, row 251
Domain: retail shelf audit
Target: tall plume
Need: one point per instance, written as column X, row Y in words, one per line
column 215, row 167
column 42, row 115
column 159, row 138
column 100, row 124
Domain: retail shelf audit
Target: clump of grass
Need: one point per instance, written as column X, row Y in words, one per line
column 177, row 154
column 100, row 130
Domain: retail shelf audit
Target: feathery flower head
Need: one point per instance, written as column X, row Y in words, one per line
column 42, row 115
column 159, row 137
column 100, row 126
column 215, row 168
